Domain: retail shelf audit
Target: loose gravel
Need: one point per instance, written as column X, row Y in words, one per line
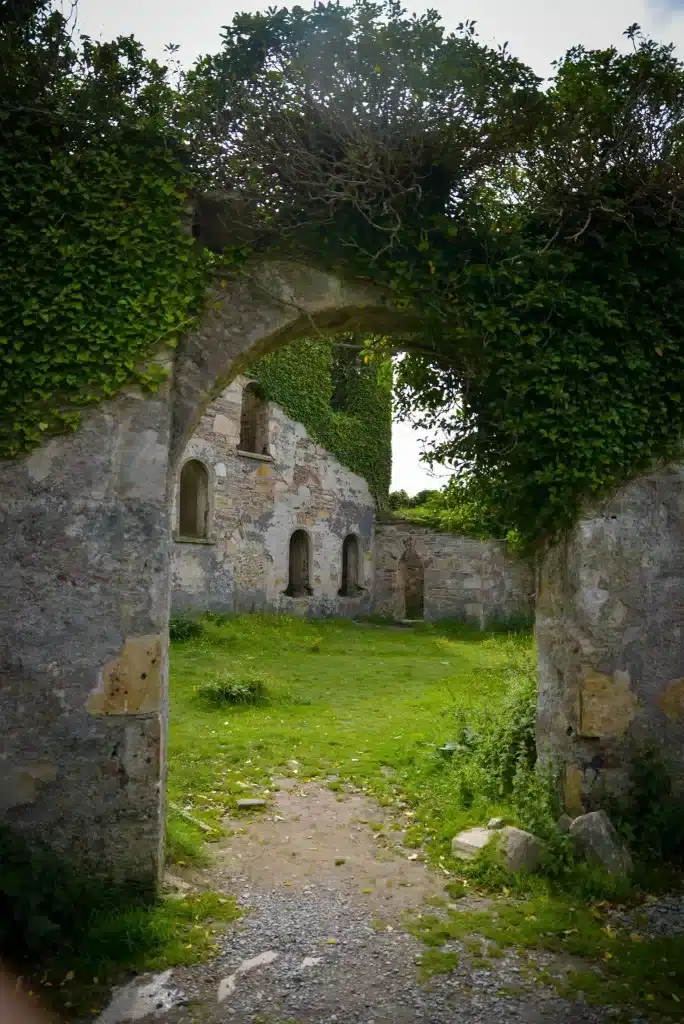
column 323, row 942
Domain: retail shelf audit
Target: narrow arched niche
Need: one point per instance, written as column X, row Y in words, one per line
column 299, row 579
column 193, row 500
column 253, row 420
column 412, row 584
column 351, row 565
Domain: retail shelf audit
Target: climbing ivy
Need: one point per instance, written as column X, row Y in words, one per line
column 95, row 272
column 305, row 376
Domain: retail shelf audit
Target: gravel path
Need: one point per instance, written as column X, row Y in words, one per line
column 328, row 884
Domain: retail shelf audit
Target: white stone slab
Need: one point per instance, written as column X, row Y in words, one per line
column 467, row 844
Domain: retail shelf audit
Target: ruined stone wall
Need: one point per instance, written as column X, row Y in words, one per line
column 256, row 503
column 467, row 579
column 83, row 639
column 610, row 625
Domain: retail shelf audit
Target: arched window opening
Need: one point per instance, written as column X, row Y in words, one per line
column 193, row 500
column 299, row 582
column 351, row 565
column 253, row 421
column 412, row 577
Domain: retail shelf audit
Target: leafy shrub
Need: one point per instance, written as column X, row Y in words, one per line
column 182, row 628
column 492, row 766
column 244, row 687
column 652, row 815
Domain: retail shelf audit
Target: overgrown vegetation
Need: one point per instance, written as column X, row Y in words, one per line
column 78, row 936
column 346, row 405
column 531, row 233
column 459, row 507
column 92, row 193
column 437, row 723
column 344, row 699
column 612, row 962
column 183, row 627
column 247, row 687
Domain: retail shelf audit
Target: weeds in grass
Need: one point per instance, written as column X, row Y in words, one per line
column 652, row 818
column 622, row 967
column 437, row 961
column 238, row 687
column 182, row 628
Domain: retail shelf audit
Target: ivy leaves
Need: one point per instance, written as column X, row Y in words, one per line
column 95, row 272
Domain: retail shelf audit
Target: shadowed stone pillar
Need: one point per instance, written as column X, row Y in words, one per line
column 609, row 626
column 84, row 578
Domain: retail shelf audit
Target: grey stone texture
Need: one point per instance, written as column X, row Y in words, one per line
column 609, row 630
column 472, row 580
column 467, row 844
column 83, row 639
column 521, row 851
column 594, row 838
column 256, row 503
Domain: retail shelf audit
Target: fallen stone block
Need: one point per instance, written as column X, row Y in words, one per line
column 521, row 851
column 469, row 843
column 250, row 802
column 595, row 838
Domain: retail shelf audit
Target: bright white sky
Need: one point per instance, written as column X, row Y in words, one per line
column 537, row 31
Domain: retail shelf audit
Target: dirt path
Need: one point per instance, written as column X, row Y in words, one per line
column 329, row 884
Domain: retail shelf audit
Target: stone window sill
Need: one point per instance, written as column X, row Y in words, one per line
column 254, row 455
column 192, row 540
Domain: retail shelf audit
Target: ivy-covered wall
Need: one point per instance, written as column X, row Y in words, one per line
column 343, row 401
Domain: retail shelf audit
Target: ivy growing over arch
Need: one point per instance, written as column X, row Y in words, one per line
column 535, row 229
column 357, row 429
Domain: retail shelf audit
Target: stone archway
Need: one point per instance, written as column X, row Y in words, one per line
column 84, row 572
column 84, row 578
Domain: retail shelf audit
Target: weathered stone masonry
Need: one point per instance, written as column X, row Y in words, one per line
column 257, row 501
column 85, row 542
column 610, row 639
column 472, row 580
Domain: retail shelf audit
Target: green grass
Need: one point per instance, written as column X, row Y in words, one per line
column 344, row 699
column 621, row 968
column 136, row 939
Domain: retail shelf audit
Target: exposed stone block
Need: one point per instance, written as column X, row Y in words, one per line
column 595, row 838
column 522, row 851
column 607, row 704
column 468, row 844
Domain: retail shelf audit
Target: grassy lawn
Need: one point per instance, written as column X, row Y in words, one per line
column 344, row 700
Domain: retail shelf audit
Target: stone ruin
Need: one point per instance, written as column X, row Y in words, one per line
column 86, row 574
